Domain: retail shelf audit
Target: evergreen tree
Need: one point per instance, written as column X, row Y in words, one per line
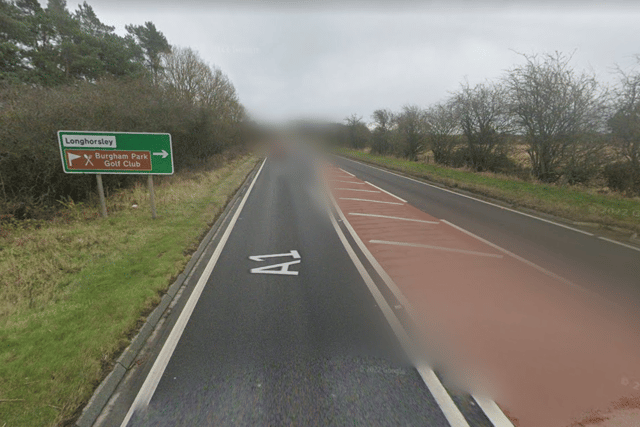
column 153, row 43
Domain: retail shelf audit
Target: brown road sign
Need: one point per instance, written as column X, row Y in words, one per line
column 111, row 160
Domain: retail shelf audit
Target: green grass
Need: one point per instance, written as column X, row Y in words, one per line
column 572, row 203
column 73, row 291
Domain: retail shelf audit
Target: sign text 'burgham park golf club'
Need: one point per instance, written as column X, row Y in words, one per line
column 116, row 152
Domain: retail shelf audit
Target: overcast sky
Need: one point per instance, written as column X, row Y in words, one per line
column 327, row 60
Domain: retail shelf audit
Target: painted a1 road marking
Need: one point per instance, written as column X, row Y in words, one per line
column 282, row 268
column 294, row 254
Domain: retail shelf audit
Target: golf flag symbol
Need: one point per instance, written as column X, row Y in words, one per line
column 72, row 157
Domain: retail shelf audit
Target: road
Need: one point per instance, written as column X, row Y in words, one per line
column 292, row 323
column 611, row 270
column 287, row 332
column 546, row 313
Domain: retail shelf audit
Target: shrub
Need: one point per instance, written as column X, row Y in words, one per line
column 30, row 168
column 620, row 177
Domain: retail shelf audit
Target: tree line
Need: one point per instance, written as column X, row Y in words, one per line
column 574, row 129
column 63, row 70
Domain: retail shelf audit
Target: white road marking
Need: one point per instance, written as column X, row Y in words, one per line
column 153, row 378
column 439, row 248
column 543, row 270
column 367, row 200
column 282, row 269
column 476, row 199
column 294, row 254
column 394, row 217
column 620, row 243
column 397, row 294
column 357, row 189
column 442, row 398
column 347, row 182
column 389, row 193
column 493, row 412
column 348, row 173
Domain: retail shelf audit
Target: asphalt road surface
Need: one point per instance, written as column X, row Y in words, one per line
column 291, row 338
column 581, row 257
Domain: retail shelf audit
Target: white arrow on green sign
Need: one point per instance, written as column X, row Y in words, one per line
column 116, row 152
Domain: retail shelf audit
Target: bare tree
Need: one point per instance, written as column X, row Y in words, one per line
column 186, row 73
column 358, row 132
column 624, row 123
column 553, row 107
column 411, row 131
column 484, row 120
column 194, row 81
column 217, row 90
column 443, row 124
column 381, row 140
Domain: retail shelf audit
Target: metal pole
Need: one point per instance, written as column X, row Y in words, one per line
column 152, row 200
column 103, row 203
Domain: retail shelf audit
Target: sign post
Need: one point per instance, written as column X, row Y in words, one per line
column 152, row 199
column 88, row 152
column 103, row 202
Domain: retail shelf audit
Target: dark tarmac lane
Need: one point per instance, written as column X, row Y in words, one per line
column 285, row 349
column 606, row 268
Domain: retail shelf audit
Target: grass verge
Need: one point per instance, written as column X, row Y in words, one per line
column 572, row 203
column 73, row 291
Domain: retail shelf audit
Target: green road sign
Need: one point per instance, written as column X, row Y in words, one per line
column 116, row 152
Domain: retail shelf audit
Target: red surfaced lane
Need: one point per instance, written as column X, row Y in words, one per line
column 549, row 353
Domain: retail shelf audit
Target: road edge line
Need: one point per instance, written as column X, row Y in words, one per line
column 497, row 421
column 101, row 396
column 436, row 388
column 470, row 197
column 155, row 374
column 348, row 173
column 492, row 411
column 388, row 192
column 619, row 243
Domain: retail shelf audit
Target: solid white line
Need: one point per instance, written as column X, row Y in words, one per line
column 347, row 182
column 476, row 199
column 389, row 193
column 620, row 243
column 357, row 189
column 493, row 412
column 367, row 200
column 439, row 248
column 442, row 398
column 529, row 263
column 153, row 378
column 385, row 277
column 394, row 217
column 348, row 173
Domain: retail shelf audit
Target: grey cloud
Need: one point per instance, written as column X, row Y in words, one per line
column 290, row 59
